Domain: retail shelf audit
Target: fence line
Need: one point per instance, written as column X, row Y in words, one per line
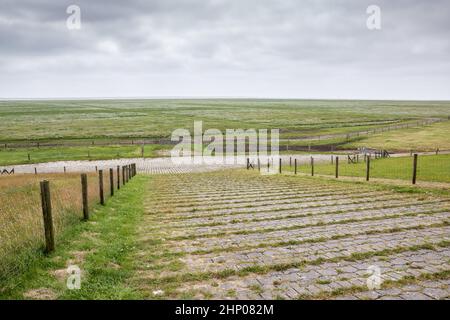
column 423, row 168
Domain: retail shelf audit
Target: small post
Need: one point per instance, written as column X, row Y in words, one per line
column 84, row 194
column 123, row 175
column 248, row 163
column 259, row 165
column 118, row 177
column 65, row 169
column 295, row 165
column 96, row 169
column 35, row 170
column 337, row 167
column 290, row 162
column 29, row 157
column 111, row 181
column 368, row 169
column 279, row 169
column 312, row 166
column 100, row 187
column 414, row 179
column 47, row 214
column 268, row 165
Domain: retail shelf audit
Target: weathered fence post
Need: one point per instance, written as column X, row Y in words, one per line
column 259, row 165
column 84, row 194
column 123, row 175
column 368, row 169
column 35, row 170
column 100, row 187
column 111, row 181
column 295, row 165
column 312, row 166
column 337, row 167
column 248, row 163
column 118, row 177
column 47, row 214
column 268, row 165
column 279, row 169
column 414, row 178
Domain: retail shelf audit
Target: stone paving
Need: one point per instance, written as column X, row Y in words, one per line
column 234, row 234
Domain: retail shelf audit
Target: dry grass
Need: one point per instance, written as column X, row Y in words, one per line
column 21, row 222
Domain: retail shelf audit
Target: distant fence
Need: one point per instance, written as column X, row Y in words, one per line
column 34, row 213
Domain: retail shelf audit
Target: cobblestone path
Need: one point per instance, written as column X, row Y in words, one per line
column 234, row 234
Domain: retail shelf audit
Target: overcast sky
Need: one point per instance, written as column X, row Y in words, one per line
column 225, row 48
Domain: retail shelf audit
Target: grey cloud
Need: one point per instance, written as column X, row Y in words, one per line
column 225, row 47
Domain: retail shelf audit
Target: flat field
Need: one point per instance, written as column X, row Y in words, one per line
column 108, row 121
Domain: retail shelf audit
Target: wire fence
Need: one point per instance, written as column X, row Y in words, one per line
column 426, row 168
column 21, row 211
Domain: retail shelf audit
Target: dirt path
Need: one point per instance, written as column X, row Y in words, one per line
column 238, row 235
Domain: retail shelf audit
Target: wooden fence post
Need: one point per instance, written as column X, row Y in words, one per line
column 312, row 166
column 84, row 194
column 100, row 187
column 111, row 181
column 123, row 175
column 35, row 170
column 268, row 165
column 337, row 167
column 118, row 177
column 295, row 165
column 279, row 169
column 248, row 163
column 47, row 214
column 259, row 165
column 368, row 169
column 414, row 178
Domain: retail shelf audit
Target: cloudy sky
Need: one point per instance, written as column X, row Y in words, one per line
column 225, row 48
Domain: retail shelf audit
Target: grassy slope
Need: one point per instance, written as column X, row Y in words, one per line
column 102, row 248
column 423, row 139
column 430, row 168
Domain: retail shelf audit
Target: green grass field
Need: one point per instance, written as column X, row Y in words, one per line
column 109, row 120
column 47, row 154
column 50, row 120
column 430, row 168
